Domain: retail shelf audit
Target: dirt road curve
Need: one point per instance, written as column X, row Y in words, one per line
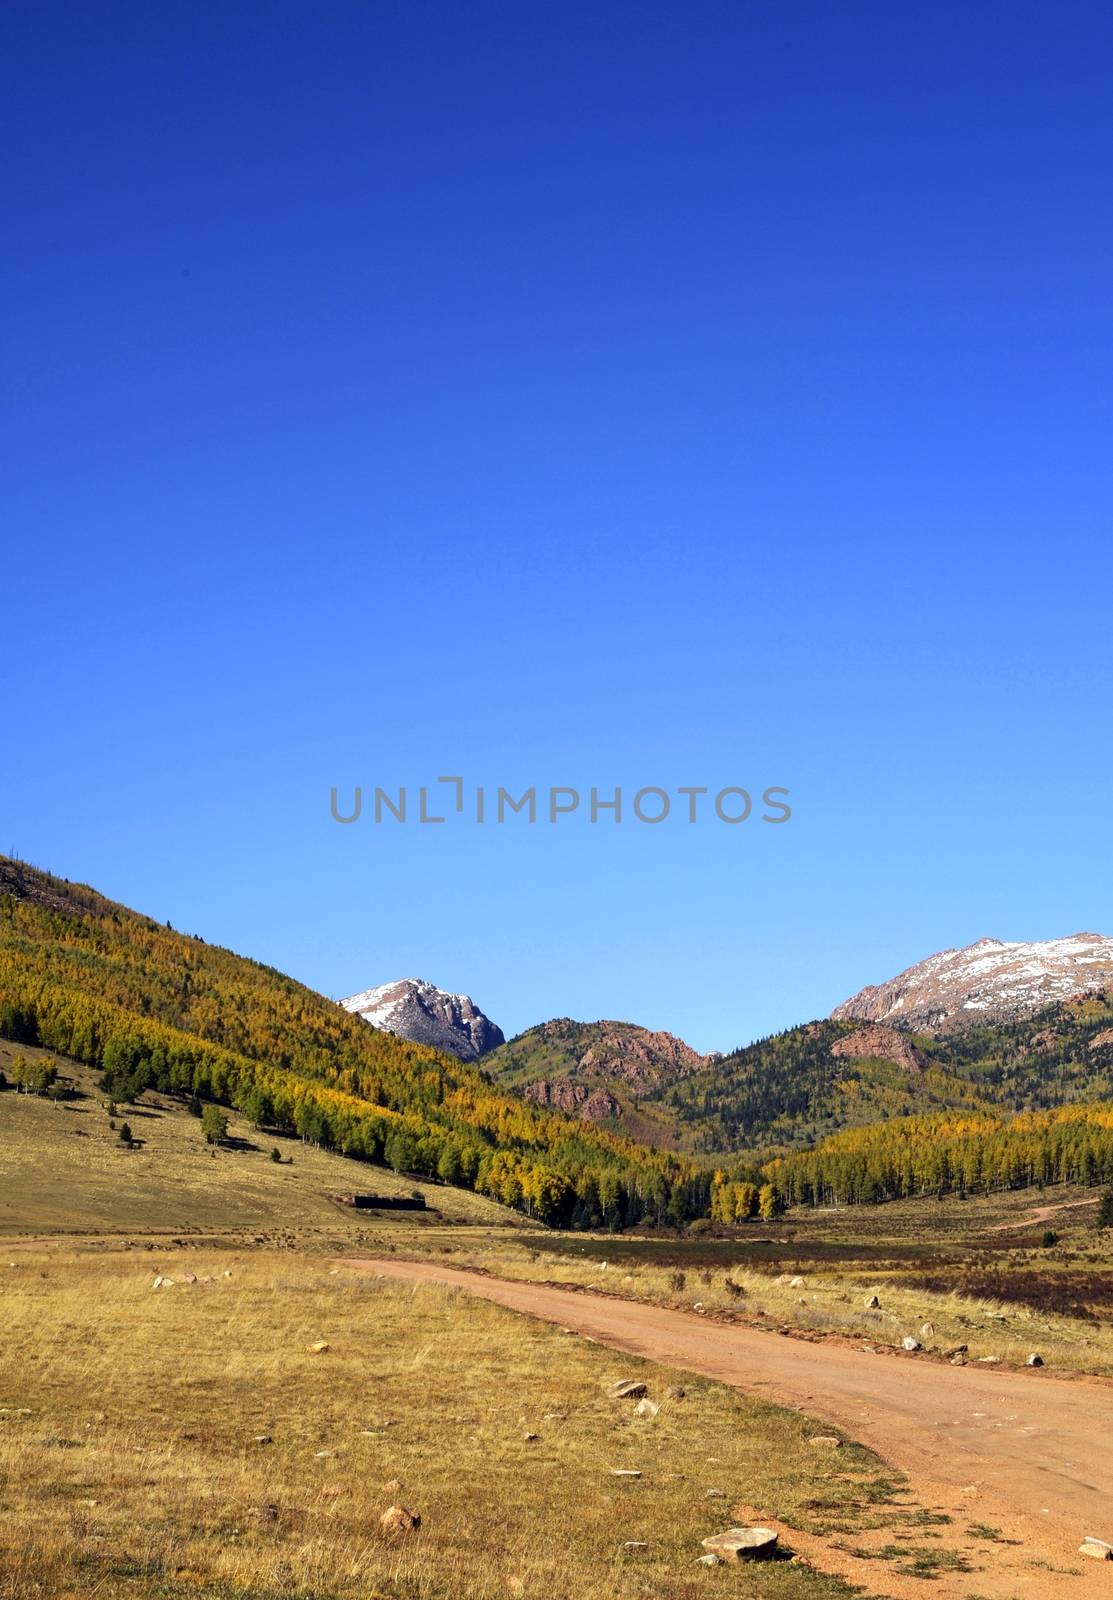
column 1027, row 1452
column 1041, row 1214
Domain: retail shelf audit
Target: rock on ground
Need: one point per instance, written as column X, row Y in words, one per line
column 741, row 1544
column 399, row 1519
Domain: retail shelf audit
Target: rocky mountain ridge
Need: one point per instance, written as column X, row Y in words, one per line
column 989, row 981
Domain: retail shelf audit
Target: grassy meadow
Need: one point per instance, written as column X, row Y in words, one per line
column 976, row 1271
column 64, row 1169
column 189, row 1440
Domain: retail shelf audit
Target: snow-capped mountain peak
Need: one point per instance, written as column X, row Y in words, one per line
column 992, row 980
column 415, row 1009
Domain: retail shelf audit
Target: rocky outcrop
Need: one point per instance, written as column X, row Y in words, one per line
column 591, row 1105
column 595, row 1070
column 990, row 981
column 419, row 1011
column 875, row 1042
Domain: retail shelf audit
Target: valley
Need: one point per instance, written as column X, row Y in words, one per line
column 292, row 1396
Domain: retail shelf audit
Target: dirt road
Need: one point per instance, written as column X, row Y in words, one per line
column 1026, row 1452
column 1041, row 1214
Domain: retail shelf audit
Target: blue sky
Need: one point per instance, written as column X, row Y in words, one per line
column 590, row 395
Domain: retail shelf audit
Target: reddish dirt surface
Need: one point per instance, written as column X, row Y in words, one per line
column 1025, row 1452
column 1031, row 1219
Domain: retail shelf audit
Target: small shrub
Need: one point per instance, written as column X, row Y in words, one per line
column 1050, row 1237
column 125, row 1134
column 276, row 1155
column 677, row 1280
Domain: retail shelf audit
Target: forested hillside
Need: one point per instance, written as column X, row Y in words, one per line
column 795, row 1088
column 951, row 1154
column 152, row 1007
column 792, row 1089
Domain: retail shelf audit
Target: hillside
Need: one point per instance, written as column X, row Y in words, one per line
column 63, row 1169
column 802, row 1085
column 613, row 1072
column 152, row 1008
column 797, row 1086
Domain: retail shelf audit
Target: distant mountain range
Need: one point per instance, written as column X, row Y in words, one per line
column 994, row 1025
column 990, row 981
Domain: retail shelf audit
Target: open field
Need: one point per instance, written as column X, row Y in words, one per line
column 188, row 1441
column 974, row 1271
column 1020, row 1454
column 63, row 1169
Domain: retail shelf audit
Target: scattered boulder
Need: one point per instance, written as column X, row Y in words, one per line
column 625, row 1472
column 927, row 1331
column 831, row 1440
column 958, row 1360
column 399, row 1519
column 189, row 1277
column 266, row 1514
column 741, row 1544
column 635, row 1544
column 796, row 1283
column 956, row 1350
column 699, row 1308
column 392, row 1486
column 627, row 1389
column 262, row 1438
column 872, row 1303
column 1098, row 1548
column 528, row 1438
column 317, row 1349
column 674, row 1392
column 911, row 1344
column 708, row 1560
column 716, row 1494
column 646, row 1408
column 1035, row 1360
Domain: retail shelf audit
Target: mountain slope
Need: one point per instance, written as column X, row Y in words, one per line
column 104, row 985
column 989, row 981
column 413, row 1009
column 803, row 1084
column 63, row 1168
column 599, row 1071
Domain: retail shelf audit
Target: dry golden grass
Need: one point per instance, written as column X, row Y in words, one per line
column 814, row 1299
column 63, row 1169
column 131, row 1467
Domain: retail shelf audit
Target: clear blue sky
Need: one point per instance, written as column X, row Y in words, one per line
column 563, row 394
